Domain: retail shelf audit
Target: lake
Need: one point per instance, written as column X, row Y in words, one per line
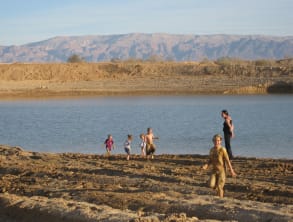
column 184, row 124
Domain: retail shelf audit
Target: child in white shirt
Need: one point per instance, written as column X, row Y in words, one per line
column 127, row 146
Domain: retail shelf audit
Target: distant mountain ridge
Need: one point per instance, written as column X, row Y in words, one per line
column 143, row 46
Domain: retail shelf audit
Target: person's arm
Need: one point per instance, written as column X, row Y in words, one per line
column 230, row 166
column 231, row 126
column 206, row 165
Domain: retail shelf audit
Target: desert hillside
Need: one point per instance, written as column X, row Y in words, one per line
column 135, row 77
column 144, row 46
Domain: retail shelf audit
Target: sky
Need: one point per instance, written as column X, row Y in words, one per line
column 25, row 21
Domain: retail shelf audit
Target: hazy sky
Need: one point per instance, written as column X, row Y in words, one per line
column 24, row 21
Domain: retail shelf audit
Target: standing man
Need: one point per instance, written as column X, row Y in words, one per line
column 228, row 129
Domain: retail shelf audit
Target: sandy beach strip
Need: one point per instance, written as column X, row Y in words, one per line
column 88, row 187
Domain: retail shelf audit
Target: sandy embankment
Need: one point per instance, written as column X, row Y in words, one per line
column 80, row 187
column 139, row 78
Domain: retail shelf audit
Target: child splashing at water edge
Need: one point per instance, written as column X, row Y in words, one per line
column 218, row 158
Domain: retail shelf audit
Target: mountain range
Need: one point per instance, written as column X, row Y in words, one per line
column 146, row 46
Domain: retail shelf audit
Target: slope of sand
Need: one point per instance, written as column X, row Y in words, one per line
column 80, row 187
column 91, row 79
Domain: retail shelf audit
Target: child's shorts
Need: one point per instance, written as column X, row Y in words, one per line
column 127, row 150
column 150, row 149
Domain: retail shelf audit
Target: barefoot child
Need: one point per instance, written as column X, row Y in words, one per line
column 142, row 144
column 150, row 146
column 218, row 158
column 109, row 142
column 127, row 146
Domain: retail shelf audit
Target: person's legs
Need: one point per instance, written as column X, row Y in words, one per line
column 227, row 138
column 148, row 150
column 153, row 149
column 108, row 152
column 212, row 182
column 221, row 183
column 127, row 150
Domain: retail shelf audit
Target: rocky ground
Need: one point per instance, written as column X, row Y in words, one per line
column 83, row 187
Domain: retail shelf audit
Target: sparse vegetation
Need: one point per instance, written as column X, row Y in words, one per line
column 75, row 59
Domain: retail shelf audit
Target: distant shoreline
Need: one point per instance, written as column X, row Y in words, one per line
column 50, row 94
column 19, row 81
column 84, row 94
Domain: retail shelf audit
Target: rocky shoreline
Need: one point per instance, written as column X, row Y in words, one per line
column 87, row 187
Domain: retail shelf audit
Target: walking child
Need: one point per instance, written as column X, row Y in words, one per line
column 218, row 158
column 150, row 146
column 127, row 146
column 142, row 144
column 109, row 143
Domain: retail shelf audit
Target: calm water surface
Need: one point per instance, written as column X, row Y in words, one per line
column 185, row 124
